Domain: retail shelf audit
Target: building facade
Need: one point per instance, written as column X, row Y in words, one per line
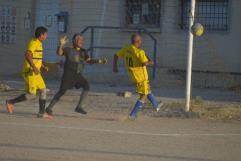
column 217, row 51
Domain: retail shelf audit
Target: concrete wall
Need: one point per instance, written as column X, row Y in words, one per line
column 216, row 51
column 11, row 55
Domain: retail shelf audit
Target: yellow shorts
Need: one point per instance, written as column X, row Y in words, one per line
column 33, row 82
column 142, row 87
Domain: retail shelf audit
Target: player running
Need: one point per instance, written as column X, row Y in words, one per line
column 76, row 57
column 136, row 61
column 32, row 73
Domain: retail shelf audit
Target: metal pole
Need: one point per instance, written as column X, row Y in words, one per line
column 190, row 53
column 155, row 61
column 91, row 42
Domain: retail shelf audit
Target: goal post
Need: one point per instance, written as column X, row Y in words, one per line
column 189, row 56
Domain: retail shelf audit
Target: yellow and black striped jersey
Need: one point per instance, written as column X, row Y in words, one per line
column 36, row 48
column 134, row 59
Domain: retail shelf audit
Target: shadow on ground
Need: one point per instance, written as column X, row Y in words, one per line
column 97, row 152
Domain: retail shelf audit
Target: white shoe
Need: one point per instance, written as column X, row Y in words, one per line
column 131, row 118
column 159, row 107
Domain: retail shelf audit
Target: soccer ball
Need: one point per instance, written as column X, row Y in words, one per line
column 197, row 29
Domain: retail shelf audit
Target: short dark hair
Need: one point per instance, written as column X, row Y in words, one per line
column 133, row 37
column 40, row 30
column 75, row 35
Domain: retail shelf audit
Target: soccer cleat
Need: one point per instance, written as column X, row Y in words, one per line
column 80, row 110
column 9, row 107
column 159, row 106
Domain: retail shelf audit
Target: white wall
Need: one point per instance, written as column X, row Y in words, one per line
column 11, row 56
column 216, row 51
column 44, row 9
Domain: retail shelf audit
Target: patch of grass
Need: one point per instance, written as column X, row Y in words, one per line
column 175, row 110
column 217, row 112
column 202, row 109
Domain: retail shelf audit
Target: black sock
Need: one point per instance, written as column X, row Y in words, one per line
column 82, row 97
column 18, row 99
column 42, row 106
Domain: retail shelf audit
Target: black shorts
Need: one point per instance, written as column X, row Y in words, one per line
column 72, row 79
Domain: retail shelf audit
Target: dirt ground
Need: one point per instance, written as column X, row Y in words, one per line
column 106, row 134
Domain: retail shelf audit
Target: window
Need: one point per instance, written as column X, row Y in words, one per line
column 143, row 13
column 7, row 25
column 213, row 14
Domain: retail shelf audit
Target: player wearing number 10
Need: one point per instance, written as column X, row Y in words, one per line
column 136, row 61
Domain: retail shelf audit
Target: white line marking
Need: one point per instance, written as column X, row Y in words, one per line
column 119, row 131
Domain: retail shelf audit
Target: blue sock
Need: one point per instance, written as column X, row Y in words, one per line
column 136, row 108
column 153, row 100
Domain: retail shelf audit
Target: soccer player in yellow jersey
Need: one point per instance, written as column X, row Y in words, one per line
column 32, row 73
column 136, row 61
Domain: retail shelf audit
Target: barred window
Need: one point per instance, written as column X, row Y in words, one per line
column 213, row 14
column 143, row 13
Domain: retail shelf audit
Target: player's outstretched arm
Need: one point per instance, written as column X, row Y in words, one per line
column 97, row 61
column 149, row 62
column 45, row 67
column 115, row 64
column 62, row 42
